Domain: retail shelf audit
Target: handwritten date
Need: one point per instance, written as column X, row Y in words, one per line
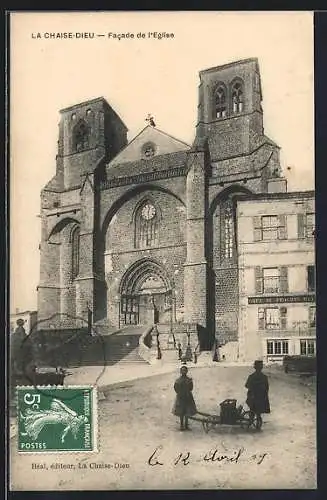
column 214, row 455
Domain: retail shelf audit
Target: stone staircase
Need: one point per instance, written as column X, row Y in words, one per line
column 123, row 346
column 77, row 348
column 129, row 358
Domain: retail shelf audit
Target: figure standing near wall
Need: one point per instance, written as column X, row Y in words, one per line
column 20, row 349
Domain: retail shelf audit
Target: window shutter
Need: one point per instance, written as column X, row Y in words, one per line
column 311, row 278
column 282, row 227
column 283, row 318
column 258, row 275
column 301, row 225
column 283, row 279
column 261, row 318
column 257, row 229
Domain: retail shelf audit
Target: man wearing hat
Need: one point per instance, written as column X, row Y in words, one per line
column 257, row 397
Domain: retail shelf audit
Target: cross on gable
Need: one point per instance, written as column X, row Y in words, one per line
column 150, row 120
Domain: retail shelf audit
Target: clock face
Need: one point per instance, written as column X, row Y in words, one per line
column 148, row 211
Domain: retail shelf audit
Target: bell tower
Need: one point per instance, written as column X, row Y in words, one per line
column 89, row 132
column 229, row 109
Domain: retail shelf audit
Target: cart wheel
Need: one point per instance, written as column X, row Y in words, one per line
column 249, row 421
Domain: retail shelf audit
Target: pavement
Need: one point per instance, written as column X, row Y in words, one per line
column 122, row 372
column 136, row 423
column 104, row 376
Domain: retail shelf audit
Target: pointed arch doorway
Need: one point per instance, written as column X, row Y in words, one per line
column 145, row 294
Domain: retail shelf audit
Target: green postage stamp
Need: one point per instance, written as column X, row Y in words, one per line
column 57, row 419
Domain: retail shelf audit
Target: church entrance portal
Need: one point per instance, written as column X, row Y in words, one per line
column 146, row 295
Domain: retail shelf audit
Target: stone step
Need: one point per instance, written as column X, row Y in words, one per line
column 131, row 357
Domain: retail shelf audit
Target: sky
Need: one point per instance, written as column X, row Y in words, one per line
column 138, row 76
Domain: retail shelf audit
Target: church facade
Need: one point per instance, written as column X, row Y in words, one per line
column 146, row 231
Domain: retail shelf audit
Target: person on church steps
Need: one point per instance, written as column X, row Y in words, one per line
column 184, row 406
column 257, row 396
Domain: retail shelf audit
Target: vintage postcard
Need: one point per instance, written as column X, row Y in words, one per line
column 162, row 211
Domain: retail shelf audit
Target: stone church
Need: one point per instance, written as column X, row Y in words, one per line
column 144, row 232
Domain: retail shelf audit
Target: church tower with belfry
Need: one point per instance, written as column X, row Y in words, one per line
column 240, row 160
column 90, row 134
column 144, row 232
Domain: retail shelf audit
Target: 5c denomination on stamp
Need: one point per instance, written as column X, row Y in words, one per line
column 57, row 419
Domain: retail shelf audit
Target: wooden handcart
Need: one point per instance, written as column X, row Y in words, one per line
column 230, row 415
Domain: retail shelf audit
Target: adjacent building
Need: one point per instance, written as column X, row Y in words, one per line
column 29, row 318
column 276, row 255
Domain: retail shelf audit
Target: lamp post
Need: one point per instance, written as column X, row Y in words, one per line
column 156, row 332
column 171, row 332
column 188, row 353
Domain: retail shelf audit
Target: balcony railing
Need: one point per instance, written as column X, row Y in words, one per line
column 283, row 333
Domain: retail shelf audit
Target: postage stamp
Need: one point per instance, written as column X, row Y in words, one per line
column 57, row 419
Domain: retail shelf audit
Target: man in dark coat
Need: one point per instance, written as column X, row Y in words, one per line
column 257, row 397
column 18, row 347
column 184, row 406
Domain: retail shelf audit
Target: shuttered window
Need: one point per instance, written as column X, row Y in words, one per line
column 283, row 279
column 310, row 225
column 283, row 318
column 271, row 279
column 269, row 227
column 258, row 280
column 282, row 227
column 312, row 316
column 300, row 226
column 272, row 318
column 261, row 318
column 306, row 225
column 311, row 278
column 257, row 229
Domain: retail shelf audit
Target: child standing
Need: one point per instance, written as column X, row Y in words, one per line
column 184, row 406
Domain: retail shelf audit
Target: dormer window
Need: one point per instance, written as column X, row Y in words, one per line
column 220, row 102
column 237, row 97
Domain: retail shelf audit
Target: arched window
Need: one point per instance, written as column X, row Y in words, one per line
column 237, row 97
column 75, row 251
column 229, row 230
column 80, row 136
column 220, row 102
column 228, row 242
column 146, row 226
